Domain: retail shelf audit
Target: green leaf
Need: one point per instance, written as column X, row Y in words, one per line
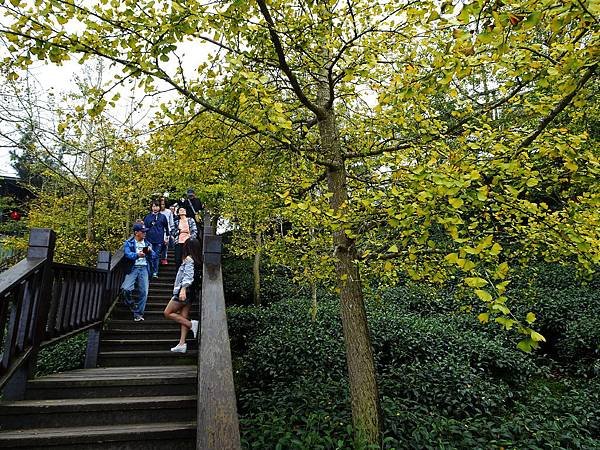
column 530, row 317
column 482, row 193
column 502, row 271
column 484, row 317
column 505, row 322
column 537, row 337
column 475, row 282
column 496, row 249
column 483, row 295
column 452, row 258
column 456, row 202
column 393, row 249
column 524, row 345
column 533, row 19
column 468, row 265
column 499, row 307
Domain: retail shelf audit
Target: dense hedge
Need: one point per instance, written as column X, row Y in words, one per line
column 68, row 354
column 568, row 314
column 446, row 381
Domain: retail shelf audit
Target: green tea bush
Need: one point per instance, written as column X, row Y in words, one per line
column 420, row 299
column 567, row 310
column 287, row 344
column 558, row 415
column 300, row 414
column 581, row 345
column 429, row 361
column 68, row 354
column 446, row 381
column 237, row 280
column 238, row 283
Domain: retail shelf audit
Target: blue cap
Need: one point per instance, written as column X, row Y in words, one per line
column 190, row 191
column 139, row 227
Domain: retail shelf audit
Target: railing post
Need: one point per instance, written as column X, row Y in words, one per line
column 212, row 251
column 207, row 228
column 217, row 421
column 41, row 246
column 93, row 342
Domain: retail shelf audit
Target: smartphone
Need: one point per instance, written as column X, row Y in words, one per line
column 145, row 250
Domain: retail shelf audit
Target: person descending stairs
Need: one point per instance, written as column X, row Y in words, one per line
column 142, row 395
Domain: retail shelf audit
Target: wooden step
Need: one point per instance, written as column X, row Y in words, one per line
column 128, row 344
column 106, row 382
column 166, row 278
column 163, row 292
column 158, row 305
column 146, row 358
column 150, row 306
column 171, row 331
column 167, row 435
column 28, row 414
column 149, row 315
column 148, row 324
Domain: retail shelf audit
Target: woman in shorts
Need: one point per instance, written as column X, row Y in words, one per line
column 185, row 291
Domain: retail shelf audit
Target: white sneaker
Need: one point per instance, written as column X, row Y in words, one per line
column 180, row 348
column 194, row 327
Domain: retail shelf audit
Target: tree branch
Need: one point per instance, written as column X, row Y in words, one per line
column 557, row 109
column 319, row 112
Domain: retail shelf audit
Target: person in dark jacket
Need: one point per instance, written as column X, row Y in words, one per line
column 193, row 206
column 138, row 254
column 158, row 232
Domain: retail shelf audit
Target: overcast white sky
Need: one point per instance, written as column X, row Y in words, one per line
column 51, row 78
column 59, row 80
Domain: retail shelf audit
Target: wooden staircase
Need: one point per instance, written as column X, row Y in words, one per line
column 142, row 395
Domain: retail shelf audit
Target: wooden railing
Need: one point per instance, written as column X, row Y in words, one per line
column 217, row 425
column 42, row 302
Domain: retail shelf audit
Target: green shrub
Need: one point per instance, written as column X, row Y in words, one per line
column 237, row 280
column 567, row 310
column 277, row 285
column 446, row 381
column 286, row 344
column 564, row 416
column 440, row 362
column 581, row 345
column 68, row 354
column 420, row 299
column 298, row 415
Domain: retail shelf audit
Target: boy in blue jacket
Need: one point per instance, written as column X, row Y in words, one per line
column 138, row 255
column 158, row 231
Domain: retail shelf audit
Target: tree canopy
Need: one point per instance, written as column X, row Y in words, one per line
column 439, row 140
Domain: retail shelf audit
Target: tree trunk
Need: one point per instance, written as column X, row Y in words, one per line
column 366, row 415
column 256, row 270
column 91, row 210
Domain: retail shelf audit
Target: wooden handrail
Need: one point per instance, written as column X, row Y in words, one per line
column 42, row 302
column 17, row 273
column 217, row 424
